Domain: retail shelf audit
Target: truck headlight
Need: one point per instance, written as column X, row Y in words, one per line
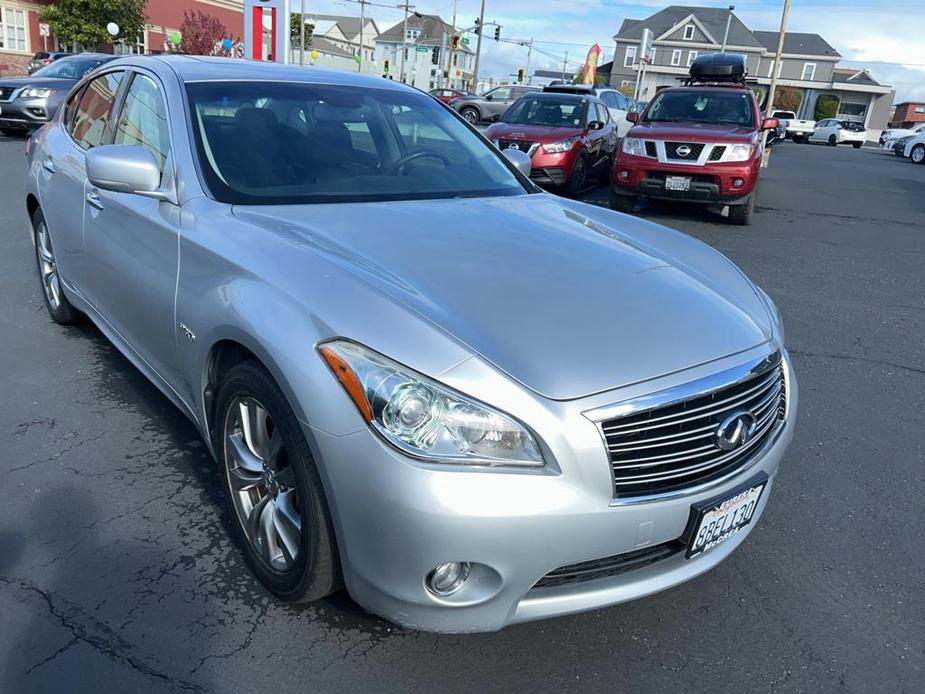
column 738, row 153
column 633, row 145
column 423, row 418
column 561, row 146
column 36, row 93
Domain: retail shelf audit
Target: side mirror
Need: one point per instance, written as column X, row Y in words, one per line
column 488, row 97
column 770, row 124
column 519, row 159
column 124, row 169
column 632, row 117
column 595, row 125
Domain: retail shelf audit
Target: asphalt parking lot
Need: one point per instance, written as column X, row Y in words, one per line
column 117, row 574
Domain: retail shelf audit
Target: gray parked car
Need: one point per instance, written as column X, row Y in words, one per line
column 27, row 103
column 550, row 408
column 490, row 105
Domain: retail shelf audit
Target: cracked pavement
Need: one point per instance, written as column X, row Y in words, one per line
column 117, row 573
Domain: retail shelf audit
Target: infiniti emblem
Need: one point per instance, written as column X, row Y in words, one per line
column 736, row 430
column 683, row 150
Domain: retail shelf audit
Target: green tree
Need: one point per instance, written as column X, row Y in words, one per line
column 84, row 21
column 826, row 107
column 295, row 34
column 787, row 99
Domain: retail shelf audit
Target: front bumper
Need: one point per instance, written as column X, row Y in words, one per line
column 397, row 519
column 712, row 183
column 24, row 114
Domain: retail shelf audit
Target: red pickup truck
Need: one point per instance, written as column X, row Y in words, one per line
column 701, row 142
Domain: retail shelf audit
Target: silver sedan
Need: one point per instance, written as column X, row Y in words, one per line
column 469, row 402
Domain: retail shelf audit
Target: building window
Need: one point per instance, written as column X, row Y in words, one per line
column 13, row 29
column 630, row 56
column 676, row 56
column 847, row 109
column 771, row 68
column 689, row 32
column 809, row 71
column 139, row 47
column 691, row 57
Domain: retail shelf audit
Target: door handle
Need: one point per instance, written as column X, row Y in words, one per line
column 48, row 165
column 93, row 199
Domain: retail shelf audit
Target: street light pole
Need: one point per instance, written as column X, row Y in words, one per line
column 773, row 87
column 478, row 48
column 529, row 54
column 302, row 35
column 449, row 58
column 728, row 22
column 404, row 40
column 362, row 22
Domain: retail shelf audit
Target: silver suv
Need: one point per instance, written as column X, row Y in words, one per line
column 490, row 105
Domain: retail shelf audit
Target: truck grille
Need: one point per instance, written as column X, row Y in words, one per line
column 522, row 145
column 6, row 93
column 675, row 446
column 717, row 153
column 691, row 153
column 651, row 150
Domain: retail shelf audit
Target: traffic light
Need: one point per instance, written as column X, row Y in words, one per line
column 497, row 33
column 455, row 41
column 478, row 26
column 435, row 55
column 520, row 75
column 385, row 66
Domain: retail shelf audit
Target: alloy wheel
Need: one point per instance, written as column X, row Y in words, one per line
column 48, row 268
column 918, row 154
column 264, row 488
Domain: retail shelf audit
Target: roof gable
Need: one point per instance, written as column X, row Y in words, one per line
column 711, row 20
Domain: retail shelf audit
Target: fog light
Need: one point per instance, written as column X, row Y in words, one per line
column 737, row 182
column 624, row 175
column 447, row 578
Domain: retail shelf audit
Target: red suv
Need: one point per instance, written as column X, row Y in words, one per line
column 570, row 138
column 700, row 142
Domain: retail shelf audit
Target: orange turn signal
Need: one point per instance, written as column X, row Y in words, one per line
column 344, row 374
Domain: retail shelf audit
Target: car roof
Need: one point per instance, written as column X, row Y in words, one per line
column 560, row 96
column 87, row 56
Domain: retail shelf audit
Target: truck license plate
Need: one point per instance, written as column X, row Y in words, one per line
column 677, row 183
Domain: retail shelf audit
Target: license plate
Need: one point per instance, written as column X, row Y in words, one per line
column 799, row 134
column 677, row 183
column 715, row 521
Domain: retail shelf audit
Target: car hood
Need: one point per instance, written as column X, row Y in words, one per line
column 564, row 297
column 693, row 132
column 533, row 133
column 47, row 82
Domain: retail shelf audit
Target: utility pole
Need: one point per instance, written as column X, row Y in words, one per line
column 564, row 65
column 529, row 54
column 773, row 87
column 404, row 40
column 478, row 49
column 302, row 35
column 449, row 58
column 442, row 81
column 362, row 22
column 728, row 22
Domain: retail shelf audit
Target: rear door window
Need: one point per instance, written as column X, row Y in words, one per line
column 94, row 110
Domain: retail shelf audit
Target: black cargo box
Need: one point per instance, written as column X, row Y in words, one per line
column 719, row 67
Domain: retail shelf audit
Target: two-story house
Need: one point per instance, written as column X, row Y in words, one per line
column 808, row 64
column 343, row 32
column 424, row 34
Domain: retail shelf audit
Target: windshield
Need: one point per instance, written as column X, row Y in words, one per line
column 700, row 106
column 282, row 143
column 557, row 113
column 68, row 68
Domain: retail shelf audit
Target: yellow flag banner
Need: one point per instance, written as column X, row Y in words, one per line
column 590, row 69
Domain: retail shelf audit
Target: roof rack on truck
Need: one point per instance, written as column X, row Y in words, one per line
column 718, row 69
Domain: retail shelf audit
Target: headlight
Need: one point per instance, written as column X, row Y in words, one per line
column 737, row 153
column 423, row 418
column 633, row 145
column 35, row 93
column 561, row 146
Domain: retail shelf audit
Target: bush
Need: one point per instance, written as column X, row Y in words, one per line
column 826, row 107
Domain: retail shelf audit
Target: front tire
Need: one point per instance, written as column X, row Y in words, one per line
column 578, row 177
column 59, row 308
column 917, row 155
column 741, row 215
column 622, row 203
column 280, row 516
column 832, row 141
column 471, row 115
column 857, row 145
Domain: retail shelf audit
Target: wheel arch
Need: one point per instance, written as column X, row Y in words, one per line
column 32, row 204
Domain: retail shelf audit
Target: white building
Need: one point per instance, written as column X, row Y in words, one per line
column 425, row 35
column 340, row 36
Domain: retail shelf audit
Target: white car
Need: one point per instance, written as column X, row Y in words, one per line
column 896, row 133
column 838, row 132
column 915, row 148
column 618, row 104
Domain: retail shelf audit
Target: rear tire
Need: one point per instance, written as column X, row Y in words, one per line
column 857, row 145
column 741, row 215
column 280, row 516
column 604, row 176
column 918, row 154
column 59, row 308
column 799, row 139
column 622, row 203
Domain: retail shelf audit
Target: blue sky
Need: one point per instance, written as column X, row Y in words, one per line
column 882, row 36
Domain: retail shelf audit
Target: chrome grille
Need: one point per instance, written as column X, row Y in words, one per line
column 674, row 446
column 6, row 93
column 522, row 145
column 690, row 151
